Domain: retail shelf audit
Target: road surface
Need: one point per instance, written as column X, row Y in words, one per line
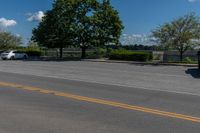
column 33, row 102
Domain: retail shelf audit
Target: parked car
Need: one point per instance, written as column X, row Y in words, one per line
column 13, row 54
column 1, row 51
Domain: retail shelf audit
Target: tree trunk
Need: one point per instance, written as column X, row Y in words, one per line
column 181, row 56
column 61, row 52
column 83, row 55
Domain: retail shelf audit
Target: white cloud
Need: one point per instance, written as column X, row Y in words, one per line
column 35, row 16
column 132, row 39
column 7, row 23
column 18, row 35
column 192, row 1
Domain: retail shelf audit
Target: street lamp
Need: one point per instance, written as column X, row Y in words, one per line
column 199, row 58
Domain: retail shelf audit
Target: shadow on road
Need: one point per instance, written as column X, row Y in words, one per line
column 146, row 64
column 193, row 72
column 53, row 59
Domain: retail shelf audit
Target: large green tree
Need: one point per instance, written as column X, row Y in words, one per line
column 8, row 40
column 82, row 23
column 98, row 24
column 108, row 24
column 180, row 34
column 56, row 28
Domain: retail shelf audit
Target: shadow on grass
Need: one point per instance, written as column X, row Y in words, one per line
column 195, row 73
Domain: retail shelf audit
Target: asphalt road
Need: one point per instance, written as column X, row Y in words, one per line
column 165, row 78
column 83, row 97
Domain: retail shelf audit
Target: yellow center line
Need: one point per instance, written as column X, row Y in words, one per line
column 104, row 102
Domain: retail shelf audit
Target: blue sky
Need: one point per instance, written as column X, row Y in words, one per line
column 139, row 16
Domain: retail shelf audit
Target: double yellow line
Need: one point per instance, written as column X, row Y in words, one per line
column 104, row 102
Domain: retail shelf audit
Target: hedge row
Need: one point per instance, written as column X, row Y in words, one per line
column 130, row 55
column 32, row 52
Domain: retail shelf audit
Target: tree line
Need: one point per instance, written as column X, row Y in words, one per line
column 91, row 23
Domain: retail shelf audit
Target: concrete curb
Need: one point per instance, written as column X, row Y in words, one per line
column 141, row 63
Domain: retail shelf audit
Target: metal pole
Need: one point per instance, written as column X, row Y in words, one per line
column 199, row 59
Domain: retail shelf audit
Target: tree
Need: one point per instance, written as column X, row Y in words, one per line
column 108, row 24
column 98, row 24
column 179, row 34
column 8, row 40
column 55, row 30
column 82, row 23
column 84, row 26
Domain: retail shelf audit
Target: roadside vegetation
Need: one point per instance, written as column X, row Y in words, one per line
column 92, row 29
column 186, row 60
column 8, row 40
column 32, row 50
column 130, row 55
column 181, row 34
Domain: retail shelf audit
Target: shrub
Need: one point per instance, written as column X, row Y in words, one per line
column 96, row 53
column 31, row 52
column 130, row 55
column 189, row 60
column 109, row 51
column 100, row 52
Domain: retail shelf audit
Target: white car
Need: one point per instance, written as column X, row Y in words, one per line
column 13, row 54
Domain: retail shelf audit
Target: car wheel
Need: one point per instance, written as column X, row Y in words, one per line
column 25, row 57
column 12, row 58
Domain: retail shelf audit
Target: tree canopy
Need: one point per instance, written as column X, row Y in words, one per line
column 55, row 30
column 79, row 23
column 8, row 40
column 181, row 34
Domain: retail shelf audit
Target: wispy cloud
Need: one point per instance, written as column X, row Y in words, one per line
column 35, row 16
column 7, row 22
column 192, row 1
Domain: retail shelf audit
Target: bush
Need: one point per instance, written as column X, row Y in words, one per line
column 131, row 56
column 96, row 53
column 188, row 60
column 31, row 52
column 100, row 52
column 109, row 51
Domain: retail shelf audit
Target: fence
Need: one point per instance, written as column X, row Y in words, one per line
column 71, row 53
column 165, row 56
column 175, row 55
